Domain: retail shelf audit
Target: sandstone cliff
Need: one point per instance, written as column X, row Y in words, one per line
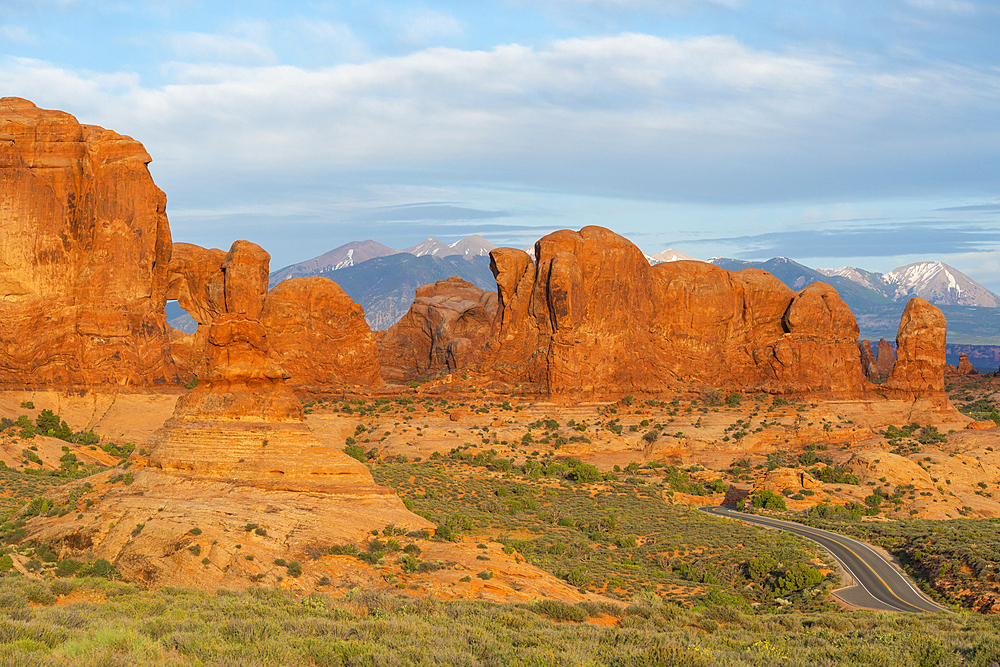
column 84, row 248
column 444, row 330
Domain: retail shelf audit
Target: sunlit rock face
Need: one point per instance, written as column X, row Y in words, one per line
column 84, row 249
column 592, row 317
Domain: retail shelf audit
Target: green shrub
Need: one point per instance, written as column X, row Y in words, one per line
column 356, row 451
column 767, row 499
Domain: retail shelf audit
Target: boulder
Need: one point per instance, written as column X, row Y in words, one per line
column 319, row 335
column 84, row 251
column 593, row 317
column 445, row 329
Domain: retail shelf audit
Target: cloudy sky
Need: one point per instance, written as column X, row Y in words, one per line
column 835, row 132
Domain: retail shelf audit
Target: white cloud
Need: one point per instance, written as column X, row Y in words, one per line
column 692, row 118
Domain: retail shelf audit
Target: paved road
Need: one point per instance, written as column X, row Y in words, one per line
column 880, row 585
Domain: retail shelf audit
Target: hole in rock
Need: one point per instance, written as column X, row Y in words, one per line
column 178, row 318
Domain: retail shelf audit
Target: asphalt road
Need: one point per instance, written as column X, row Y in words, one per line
column 879, row 586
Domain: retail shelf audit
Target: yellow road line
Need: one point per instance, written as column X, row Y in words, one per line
column 887, row 587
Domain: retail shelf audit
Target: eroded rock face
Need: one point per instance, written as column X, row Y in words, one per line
column 84, row 248
column 195, row 280
column 594, row 317
column 319, row 335
column 920, row 344
column 445, row 329
column 237, row 375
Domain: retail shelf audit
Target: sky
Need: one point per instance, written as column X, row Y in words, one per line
column 836, row 132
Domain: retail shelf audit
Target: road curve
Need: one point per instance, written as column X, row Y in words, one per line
column 879, row 586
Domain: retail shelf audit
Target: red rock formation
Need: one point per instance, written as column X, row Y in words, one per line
column 920, row 345
column 237, row 375
column 320, row 336
column 886, row 359
column 445, row 329
column 867, row 360
column 964, row 367
column 84, row 247
column 594, row 317
column 877, row 368
column 195, row 280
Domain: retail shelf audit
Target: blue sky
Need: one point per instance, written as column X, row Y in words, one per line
column 849, row 132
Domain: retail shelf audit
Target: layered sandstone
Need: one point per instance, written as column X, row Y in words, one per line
column 84, row 248
column 445, row 329
column 593, row 316
column 319, row 335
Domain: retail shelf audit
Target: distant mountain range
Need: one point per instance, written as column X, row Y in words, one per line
column 877, row 300
column 358, row 252
column 937, row 282
column 384, row 280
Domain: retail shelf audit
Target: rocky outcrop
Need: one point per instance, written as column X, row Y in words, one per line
column 964, row 367
column 920, row 342
column 885, row 360
column 84, row 248
column 877, row 368
column 319, row 335
column 195, row 280
column 867, row 360
column 592, row 316
column 444, row 330
column 315, row 332
column 237, row 490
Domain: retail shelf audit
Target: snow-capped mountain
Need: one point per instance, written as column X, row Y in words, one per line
column 346, row 255
column 431, row 247
column 356, row 252
column 471, row 246
column 669, row 255
column 936, row 282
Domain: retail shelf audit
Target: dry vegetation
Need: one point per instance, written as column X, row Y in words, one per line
column 602, row 496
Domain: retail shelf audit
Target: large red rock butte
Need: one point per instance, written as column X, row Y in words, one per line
column 592, row 317
column 444, row 330
column 84, row 248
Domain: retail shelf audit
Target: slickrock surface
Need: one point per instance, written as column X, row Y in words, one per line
column 84, row 247
column 594, row 317
column 444, row 330
column 320, row 336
